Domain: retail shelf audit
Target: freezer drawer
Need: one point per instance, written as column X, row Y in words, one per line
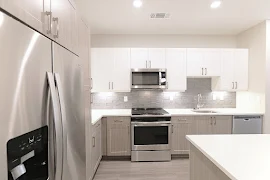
column 247, row 125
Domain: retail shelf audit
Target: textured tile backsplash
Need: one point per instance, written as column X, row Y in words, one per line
column 171, row 100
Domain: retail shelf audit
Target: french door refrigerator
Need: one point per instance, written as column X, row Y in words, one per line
column 41, row 108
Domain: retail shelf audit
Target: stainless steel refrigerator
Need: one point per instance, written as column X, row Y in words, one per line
column 41, row 107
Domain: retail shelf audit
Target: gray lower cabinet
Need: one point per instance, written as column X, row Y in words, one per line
column 214, row 124
column 96, row 146
column 118, row 136
column 182, row 126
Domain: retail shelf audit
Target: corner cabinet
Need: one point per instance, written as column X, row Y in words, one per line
column 234, row 72
column 148, row 58
column 176, row 64
column 182, row 126
column 118, row 136
column 110, row 69
column 203, row 62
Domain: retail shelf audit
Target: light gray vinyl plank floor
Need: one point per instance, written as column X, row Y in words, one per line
column 177, row 169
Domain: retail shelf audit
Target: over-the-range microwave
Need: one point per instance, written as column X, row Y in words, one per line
column 148, row 79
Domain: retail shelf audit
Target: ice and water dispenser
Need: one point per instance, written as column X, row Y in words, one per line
column 27, row 156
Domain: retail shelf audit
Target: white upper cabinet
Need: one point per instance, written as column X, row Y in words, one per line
column 157, row 58
column 203, row 62
column 110, row 69
column 121, row 70
column 176, row 64
column 55, row 19
column 234, row 71
column 148, row 58
column 102, row 69
column 139, row 58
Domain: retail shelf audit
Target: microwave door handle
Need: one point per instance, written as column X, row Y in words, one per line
column 57, row 128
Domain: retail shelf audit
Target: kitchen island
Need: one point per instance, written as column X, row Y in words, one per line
column 229, row 157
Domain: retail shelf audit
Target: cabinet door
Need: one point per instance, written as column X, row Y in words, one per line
column 84, row 50
column 241, row 69
column 176, row 64
column 227, row 70
column 139, row 58
column 182, row 126
column 96, row 146
column 102, row 69
column 222, row 125
column 195, row 62
column 204, row 124
column 61, row 29
column 121, row 70
column 157, row 58
column 29, row 11
column 212, row 62
column 118, row 136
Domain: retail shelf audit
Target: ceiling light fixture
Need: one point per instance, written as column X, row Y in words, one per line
column 137, row 3
column 216, row 4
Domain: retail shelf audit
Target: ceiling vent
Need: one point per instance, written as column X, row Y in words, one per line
column 160, row 15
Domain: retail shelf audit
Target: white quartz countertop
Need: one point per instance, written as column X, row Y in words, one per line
column 240, row 157
column 97, row 114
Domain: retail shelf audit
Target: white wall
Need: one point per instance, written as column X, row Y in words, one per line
column 255, row 40
column 169, row 41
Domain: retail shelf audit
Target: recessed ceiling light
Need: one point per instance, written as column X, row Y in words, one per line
column 216, row 4
column 137, row 3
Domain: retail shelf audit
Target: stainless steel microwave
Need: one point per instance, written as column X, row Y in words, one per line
column 148, row 79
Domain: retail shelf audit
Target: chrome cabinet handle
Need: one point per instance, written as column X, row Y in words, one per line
column 172, row 128
column 57, row 128
column 202, row 71
column 215, row 121
column 94, row 141
column 146, row 64
column 118, row 121
column 236, row 85
column 49, row 14
column 109, row 85
column 205, row 71
column 56, row 21
column 232, row 85
column 182, row 119
column 211, row 121
column 91, row 83
column 91, row 98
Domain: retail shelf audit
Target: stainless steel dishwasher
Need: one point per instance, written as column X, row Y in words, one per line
column 247, row 125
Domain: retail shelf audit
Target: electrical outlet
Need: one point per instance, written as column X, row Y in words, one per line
column 125, row 99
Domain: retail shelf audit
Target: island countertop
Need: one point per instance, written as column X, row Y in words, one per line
column 240, row 157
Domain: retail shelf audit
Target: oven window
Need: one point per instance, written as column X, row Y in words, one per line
column 145, row 78
column 149, row 135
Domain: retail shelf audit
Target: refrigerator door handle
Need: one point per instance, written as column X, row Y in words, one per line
column 63, row 112
column 58, row 128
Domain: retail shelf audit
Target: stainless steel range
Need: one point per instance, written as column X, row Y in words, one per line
column 150, row 135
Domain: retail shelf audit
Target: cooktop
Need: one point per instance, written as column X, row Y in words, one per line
column 149, row 111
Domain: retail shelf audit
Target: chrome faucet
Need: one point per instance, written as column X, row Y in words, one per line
column 199, row 104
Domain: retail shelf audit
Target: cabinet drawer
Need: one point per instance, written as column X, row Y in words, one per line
column 182, row 119
column 118, row 120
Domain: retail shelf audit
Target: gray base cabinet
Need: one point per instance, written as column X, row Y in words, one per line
column 190, row 125
column 182, row 126
column 118, row 136
column 96, row 147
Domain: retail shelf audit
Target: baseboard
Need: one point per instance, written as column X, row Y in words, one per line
column 116, row 158
column 175, row 156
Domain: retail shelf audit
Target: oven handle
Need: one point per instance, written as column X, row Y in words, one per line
column 160, row 122
column 150, row 124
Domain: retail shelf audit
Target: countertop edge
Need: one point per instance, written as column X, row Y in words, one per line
column 210, row 158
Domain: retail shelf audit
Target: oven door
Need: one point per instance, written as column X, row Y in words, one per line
column 150, row 136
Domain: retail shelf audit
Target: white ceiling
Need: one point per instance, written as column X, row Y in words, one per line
column 187, row 16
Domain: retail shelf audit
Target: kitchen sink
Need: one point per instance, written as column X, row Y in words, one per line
column 203, row 111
